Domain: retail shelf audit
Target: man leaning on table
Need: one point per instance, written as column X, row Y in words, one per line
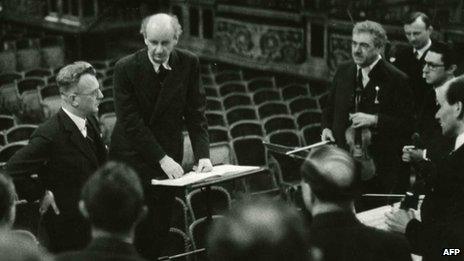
column 157, row 91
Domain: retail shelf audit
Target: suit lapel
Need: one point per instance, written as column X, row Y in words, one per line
column 169, row 87
column 76, row 138
column 101, row 150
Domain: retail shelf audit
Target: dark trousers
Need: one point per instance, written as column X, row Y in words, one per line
column 151, row 234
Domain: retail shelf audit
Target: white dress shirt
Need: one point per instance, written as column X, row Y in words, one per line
column 421, row 51
column 157, row 65
column 80, row 122
column 366, row 70
column 459, row 141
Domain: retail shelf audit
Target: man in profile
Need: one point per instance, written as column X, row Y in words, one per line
column 112, row 200
column 442, row 212
column 64, row 151
column 157, row 92
column 330, row 184
column 259, row 230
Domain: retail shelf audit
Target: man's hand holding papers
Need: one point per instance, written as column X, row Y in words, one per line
column 194, row 177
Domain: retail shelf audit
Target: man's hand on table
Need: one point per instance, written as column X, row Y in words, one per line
column 204, row 165
column 172, row 169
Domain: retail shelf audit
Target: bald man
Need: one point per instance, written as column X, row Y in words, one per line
column 330, row 185
column 158, row 92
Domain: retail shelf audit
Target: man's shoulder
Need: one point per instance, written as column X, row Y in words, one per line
column 49, row 128
column 344, row 68
column 394, row 72
column 346, row 65
column 131, row 59
column 186, row 53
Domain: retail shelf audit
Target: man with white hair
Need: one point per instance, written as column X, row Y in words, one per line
column 157, row 92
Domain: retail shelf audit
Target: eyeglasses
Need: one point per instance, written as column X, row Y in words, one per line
column 433, row 66
column 93, row 93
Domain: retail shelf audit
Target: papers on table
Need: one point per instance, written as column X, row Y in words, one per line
column 376, row 217
column 192, row 177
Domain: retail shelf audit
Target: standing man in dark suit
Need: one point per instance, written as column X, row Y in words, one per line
column 64, row 151
column 157, row 92
column 330, row 184
column 442, row 212
column 112, row 199
column 385, row 105
column 417, row 29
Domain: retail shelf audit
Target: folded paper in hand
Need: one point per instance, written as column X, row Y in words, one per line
column 193, row 177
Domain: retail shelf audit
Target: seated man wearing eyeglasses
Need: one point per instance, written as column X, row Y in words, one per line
column 440, row 65
column 64, row 151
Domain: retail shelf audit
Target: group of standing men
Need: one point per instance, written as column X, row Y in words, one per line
column 157, row 91
column 415, row 93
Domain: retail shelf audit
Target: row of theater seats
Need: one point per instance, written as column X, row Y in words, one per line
column 19, row 53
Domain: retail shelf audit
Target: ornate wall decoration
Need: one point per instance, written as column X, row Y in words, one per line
column 259, row 42
column 339, row 50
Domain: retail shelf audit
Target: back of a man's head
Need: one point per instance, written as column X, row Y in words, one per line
column 7, row 201
column 331, row 174
column 259, row 230
column 113, row 198
column 13, row 247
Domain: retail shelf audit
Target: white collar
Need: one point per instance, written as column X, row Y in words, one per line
column 459, row 141
column 366, row 70
column 422, row 50
column 80, row 122
column 157, row 65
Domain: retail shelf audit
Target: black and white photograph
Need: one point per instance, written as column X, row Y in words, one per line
column 231, row 130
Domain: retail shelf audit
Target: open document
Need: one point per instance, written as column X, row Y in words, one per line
column 192, row 177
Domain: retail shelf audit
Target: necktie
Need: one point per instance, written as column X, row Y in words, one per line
column 358, row 91
column 359, row 79
column 90, row 135
column 416, row 54
column 162, row 73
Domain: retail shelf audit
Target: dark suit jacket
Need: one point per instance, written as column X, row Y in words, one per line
column 394, row 111
column 442, row 211
column 405, row 60
column 341, row 237
column 102, row 249
column 430, row 130
column 147, row 130
column 63, row 159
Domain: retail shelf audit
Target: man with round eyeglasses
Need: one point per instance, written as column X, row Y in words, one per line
column 439, row 67
column 64, row 151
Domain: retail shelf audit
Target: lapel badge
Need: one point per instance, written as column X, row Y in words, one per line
column 377, row 89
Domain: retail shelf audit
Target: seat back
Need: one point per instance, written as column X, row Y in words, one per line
column 246, row 128
column 199, row 229
column 272, row 108
column 241, row 113
column 236, row 99
column 294, row 90
column 279, row 122
column 216, row 200
column 265, row 95
column 20, row 132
